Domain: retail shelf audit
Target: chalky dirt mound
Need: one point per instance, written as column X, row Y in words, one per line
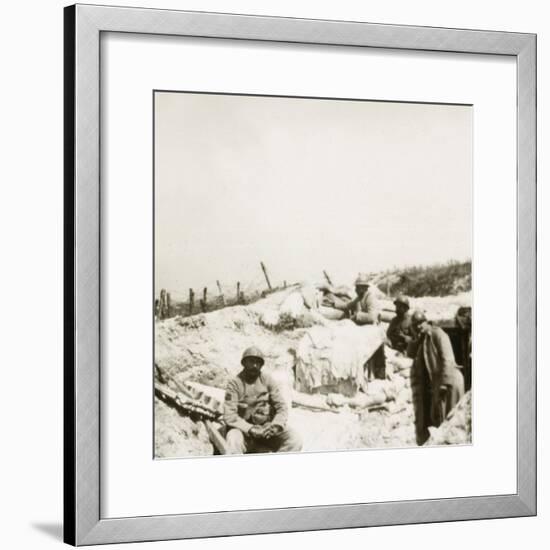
column 457, row 428
column 177, row 435
column 207, row 348
column 294, row 337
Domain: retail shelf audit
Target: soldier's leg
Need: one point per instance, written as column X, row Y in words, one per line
column 422, row 404
column 236, row 443
column 454, row 392
column 288, row 441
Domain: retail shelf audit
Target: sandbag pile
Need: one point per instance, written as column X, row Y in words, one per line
column 299, row 308
column 207, row 348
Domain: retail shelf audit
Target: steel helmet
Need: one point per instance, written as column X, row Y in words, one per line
column 362, row 280
column 402, row 300
column 253, row 351
column 418, row 317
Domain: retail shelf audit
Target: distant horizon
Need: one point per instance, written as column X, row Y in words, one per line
column 258, row 285
column 306, row 185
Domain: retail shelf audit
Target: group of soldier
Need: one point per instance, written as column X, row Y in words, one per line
column 256, row 412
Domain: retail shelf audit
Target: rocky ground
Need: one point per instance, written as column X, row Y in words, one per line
column 206, row 348
column 177, row 435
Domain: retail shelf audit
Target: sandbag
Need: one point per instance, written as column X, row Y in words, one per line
column 293, row 305
column 398, row 361
column 331, row 313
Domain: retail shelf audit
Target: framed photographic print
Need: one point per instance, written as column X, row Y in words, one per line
column 287, row 244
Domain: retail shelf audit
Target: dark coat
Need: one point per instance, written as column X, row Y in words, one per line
column 399, row 332
column 436, row 382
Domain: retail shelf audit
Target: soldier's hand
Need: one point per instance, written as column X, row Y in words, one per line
column 274, row 430
column 271, row 430
column 256, row 432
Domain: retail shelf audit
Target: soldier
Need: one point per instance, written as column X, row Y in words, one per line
column 436, row 382
column 256, row 412
column 364, row 310
column 464, row 324
column 399, row 331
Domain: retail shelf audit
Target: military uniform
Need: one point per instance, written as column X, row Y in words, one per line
column 436, row 382
column 364, row 310
column 249, row 404
column 399, row 332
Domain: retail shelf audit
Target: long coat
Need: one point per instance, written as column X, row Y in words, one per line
column 436, row 382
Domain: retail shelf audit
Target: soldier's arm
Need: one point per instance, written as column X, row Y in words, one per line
column 446, row 356
column 369, row 313
column 391, row 333
column 398, row 335
column 231, row 409
column 347, row 307
column 279, row 404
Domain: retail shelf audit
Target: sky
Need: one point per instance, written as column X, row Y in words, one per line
column 306, row 185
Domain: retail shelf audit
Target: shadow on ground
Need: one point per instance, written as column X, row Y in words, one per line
column 54, row 530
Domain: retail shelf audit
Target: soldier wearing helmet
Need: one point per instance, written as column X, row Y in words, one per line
column 399, row 331
column 255, row 411
column 436, row 382
column 364, row 310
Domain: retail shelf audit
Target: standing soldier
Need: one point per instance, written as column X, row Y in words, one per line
column 399, row 331
column 436, row 382
column 256, row 412
column 464, row 323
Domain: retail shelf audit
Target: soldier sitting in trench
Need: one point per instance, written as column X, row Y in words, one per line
column 364, row 309
column 256, row 412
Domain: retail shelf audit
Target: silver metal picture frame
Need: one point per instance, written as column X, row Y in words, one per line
column 83, row 524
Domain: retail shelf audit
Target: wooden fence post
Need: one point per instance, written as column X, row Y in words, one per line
column 157, row 309
column 327, row 277
column 266, row 275
column 204, row 299
column 238, row 292
column 191, row 301
column 162, row 306
column 168, row 305
column 221, row 293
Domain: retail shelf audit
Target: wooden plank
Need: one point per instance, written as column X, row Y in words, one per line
column 216, row 437
column 191, row 301
column 264, row 269
column 221, row 293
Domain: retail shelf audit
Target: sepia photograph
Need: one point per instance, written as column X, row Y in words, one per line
column 312, row 274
